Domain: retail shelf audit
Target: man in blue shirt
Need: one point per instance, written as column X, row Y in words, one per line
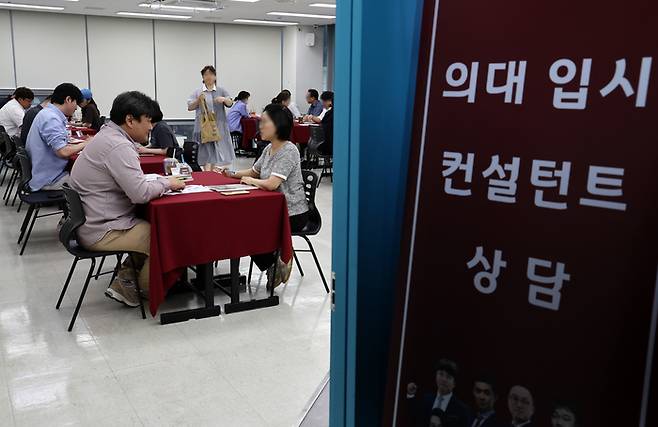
column 315, row 109
column 48, row 140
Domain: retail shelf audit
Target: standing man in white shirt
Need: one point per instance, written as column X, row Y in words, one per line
column 11, row 114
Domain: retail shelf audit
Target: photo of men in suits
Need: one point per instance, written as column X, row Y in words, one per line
column 521, row 406
column 454, row 413
column 484, row 396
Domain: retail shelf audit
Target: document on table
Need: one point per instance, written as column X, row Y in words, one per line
column 190, row 189
column 232, row 187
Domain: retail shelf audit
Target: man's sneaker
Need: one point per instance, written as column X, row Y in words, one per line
column 123, row 291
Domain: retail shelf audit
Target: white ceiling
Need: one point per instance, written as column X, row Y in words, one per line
column 231, row 9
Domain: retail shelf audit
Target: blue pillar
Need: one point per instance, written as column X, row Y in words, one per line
column 376, row 61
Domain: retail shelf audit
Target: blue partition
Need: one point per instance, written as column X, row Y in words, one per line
column 376, row 61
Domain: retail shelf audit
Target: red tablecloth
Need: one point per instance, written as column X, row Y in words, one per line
column 193, row 229
column 149, row 164
column 300, row 133
column 84, row 130
column 152, row 164
column 249, row 131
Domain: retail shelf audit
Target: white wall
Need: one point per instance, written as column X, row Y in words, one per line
column 119, row 60
column 249, row 58
column 181, row 50
column 6, row 55
column 50, row 49
column 290, row 63
column 302, row 69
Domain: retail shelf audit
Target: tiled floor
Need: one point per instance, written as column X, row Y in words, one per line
column 256, row 368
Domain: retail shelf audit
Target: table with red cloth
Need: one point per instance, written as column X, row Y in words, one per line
column 200, row 228
column 81, row 129
column 249, row 131
column 150, row 163
column 300, row 133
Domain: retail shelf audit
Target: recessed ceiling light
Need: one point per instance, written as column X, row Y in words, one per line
column 247, row 1
column 30, row 6
column 156, row 6
column 301, row 15
column 153, row 15
column 326, row 5
column 258, row 21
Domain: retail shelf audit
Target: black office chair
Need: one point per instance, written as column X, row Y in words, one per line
column 191, row 154
column 8, row 150
column 312, row 228
column 16, row 174
column 75, row 217
column 314, row 154
column 175, row 153
column 236, row 139
column 36, row 200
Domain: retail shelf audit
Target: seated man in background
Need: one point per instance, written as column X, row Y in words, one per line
column 91, row 117
column 48, row 140
column 12, row 113
column 315, row 107
column 110, row 181
column 326, row 119
column 162, row 136
column 28, row 119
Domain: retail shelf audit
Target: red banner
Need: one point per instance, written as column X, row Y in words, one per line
column 529, row 289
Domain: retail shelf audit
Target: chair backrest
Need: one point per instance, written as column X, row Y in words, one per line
column 175, row 153
column 17, row 142
column 317, row 139
column 75, row 217
column 191, row 153
column 236, row 139
column 310, row 188
column 26, row 169
column 5, row 143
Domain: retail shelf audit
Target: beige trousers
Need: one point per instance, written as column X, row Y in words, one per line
column 136, row 239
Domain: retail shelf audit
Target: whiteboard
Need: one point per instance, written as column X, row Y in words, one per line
column 6, row 59
column 50, row 49
column 249, row 58
column 181, row 50
column 119, row 60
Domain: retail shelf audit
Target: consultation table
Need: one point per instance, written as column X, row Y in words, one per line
column 300, row 134
column 200, row 228
column 150, row 163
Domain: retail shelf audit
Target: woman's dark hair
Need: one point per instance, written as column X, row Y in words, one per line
column 282, row 119
column 313, row 93
column 157, row 115
column 242, row 95
column 286, row 91
column 284, row 95
column 132, row 103
column 327, row 96
column 23, row 93
column 64, row 90
column 208, row 68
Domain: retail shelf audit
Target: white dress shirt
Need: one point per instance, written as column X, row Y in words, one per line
column 294, row 110
column 11, row 117
column 441, row 402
